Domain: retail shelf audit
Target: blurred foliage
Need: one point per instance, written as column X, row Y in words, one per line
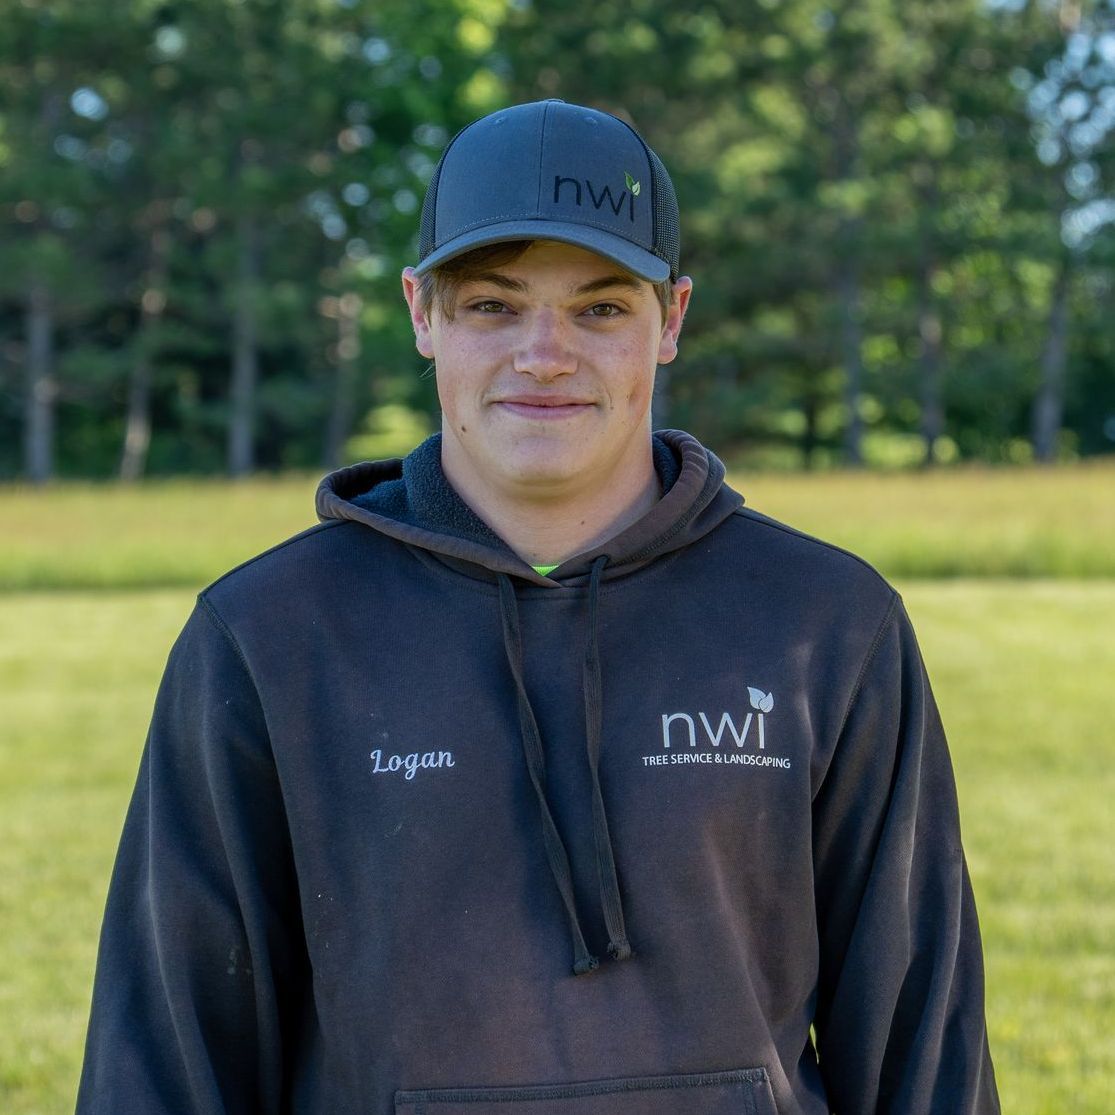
column 899, row 218
column 391, row 430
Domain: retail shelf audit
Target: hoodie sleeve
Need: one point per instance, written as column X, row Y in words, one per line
column 900, row 1015
column 201, row 955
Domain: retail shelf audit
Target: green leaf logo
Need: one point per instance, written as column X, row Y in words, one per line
column 632, row 185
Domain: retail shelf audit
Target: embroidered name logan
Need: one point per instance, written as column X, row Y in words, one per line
column 410, row 764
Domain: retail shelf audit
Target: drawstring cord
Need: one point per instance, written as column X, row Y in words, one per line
column 556, row 854
column 610, row 899
column 583, row 960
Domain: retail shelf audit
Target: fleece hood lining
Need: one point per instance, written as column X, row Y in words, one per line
column 411, row 500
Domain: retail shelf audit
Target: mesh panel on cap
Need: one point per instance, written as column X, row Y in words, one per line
column 667, row 233
column 426, row 227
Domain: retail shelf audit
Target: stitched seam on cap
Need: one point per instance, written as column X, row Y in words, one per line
column 541, row 152
column 436, row 182
column 653, row 198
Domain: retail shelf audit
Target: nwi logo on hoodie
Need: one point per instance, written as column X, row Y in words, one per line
column 749, row 737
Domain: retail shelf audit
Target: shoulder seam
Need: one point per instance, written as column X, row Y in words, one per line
column 218, row 621
column 763, row 520
column 302, row 534
column 867, row 660
column 225, row 632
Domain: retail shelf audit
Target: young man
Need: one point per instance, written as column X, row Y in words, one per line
column 543, row 777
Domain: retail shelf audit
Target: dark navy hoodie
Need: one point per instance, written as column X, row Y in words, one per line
column 418, row 830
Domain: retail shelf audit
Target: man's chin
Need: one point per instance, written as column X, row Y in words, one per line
column 548, row 479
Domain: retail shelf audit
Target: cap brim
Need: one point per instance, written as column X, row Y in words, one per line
column 629, row 256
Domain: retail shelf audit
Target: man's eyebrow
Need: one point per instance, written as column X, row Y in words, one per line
column 620, row 279
column 505, row 282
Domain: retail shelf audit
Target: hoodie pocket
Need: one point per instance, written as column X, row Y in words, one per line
column 740, row 1092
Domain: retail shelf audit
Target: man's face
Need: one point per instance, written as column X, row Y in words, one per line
column 545, row 374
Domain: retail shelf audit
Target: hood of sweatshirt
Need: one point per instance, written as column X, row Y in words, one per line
column 411, row 500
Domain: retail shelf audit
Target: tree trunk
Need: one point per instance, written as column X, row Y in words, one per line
column 930, row 334
column 348, row 352
column 808, row 389
column 245, row 358
column 40, row 383
column 851, row 349
column 41, row 388
column 846, row 151
column 1049, row 401
column 137, row 432
column 810, row 437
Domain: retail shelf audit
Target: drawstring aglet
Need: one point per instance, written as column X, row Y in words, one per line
column 585, row 964
column 620, row 950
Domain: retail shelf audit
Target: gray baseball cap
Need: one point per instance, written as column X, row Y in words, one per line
column 552, row 171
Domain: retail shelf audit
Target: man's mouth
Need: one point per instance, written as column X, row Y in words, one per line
column 545, row 407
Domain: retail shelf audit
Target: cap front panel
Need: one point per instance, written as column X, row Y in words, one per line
column 490, row 174
column 596, row 172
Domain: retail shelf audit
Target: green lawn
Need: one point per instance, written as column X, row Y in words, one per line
column 1023, row 675
column 970, row 522
column 957, row 523
column 1020, row 671
column 78, row 673
column 156, row 535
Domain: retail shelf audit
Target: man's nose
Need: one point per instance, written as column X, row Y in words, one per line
column 545, row 351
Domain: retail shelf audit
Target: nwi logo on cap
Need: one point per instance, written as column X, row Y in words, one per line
column 599, row 198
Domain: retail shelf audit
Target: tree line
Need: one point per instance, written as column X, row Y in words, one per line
column 899, row 218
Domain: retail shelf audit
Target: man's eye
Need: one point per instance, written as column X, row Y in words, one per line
column 605, row 309
column 488, row 306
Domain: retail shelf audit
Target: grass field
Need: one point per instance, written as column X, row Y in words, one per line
column 1022, row 671
column 1023, row 676
column 958, row 523
column 1028, row 522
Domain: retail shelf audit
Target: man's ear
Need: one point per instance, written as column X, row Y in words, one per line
column 419, row 319
column 675, row 315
